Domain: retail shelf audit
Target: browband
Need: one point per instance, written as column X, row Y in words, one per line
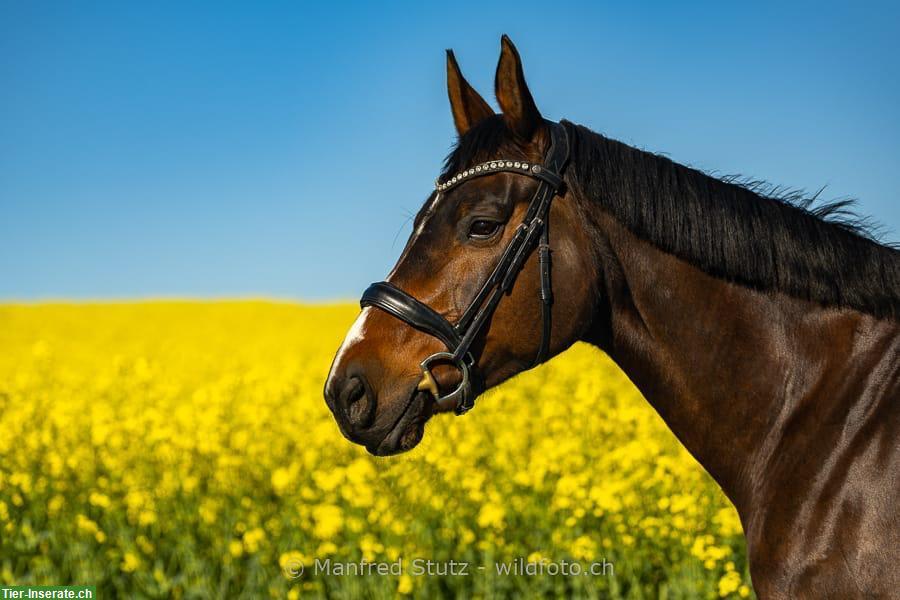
column 494, row 166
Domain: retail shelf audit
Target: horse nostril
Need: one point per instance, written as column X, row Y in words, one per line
column 358, row 403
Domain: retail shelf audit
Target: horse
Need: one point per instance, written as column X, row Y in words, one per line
column 763, row 330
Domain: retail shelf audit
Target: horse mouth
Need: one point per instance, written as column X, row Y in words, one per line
column 409, row 428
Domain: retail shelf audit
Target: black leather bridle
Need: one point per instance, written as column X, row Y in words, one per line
column 533, row 231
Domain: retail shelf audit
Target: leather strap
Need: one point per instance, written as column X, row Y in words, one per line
column 398, row 303
column 546, row 295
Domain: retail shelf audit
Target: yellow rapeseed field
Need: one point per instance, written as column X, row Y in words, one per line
column 184, row 449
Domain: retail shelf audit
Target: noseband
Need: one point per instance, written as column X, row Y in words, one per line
column 533, row 231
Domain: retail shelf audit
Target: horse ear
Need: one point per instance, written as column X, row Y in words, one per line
column 467, row 105
column 519, row 109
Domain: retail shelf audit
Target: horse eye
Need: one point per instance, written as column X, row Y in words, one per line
column 483, row 228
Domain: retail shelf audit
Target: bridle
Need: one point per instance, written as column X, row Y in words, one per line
column 533, row 231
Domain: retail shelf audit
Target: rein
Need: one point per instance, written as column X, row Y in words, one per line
column 534, row 231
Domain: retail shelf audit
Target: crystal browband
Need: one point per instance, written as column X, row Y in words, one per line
column 485, row 168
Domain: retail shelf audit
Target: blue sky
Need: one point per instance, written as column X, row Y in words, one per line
column 277, row 149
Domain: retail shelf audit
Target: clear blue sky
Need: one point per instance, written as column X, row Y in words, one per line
column 277, row 148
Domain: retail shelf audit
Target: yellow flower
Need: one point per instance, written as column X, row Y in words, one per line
column 53, row 507
column 281, row 480
column 584, row 548
column 326, row 549
column 130, row 562
column 328, row 521
column 145, row 544
column 86, row 525
column 728, row 521
column 328, row 480
column 729, row 583
column 253, row 539
column 208, row 511
column 370, row 548
column 292, row 563
column 405, row 584
column 491, row 515
column 100, row 500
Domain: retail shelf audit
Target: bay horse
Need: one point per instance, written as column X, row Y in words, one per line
column 766, row 333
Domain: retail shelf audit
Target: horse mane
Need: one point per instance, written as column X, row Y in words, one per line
column 742, row 231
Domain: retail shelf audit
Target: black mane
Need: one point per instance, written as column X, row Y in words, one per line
column 744, row 232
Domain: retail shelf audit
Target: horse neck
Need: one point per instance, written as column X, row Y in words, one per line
column 728, row 368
